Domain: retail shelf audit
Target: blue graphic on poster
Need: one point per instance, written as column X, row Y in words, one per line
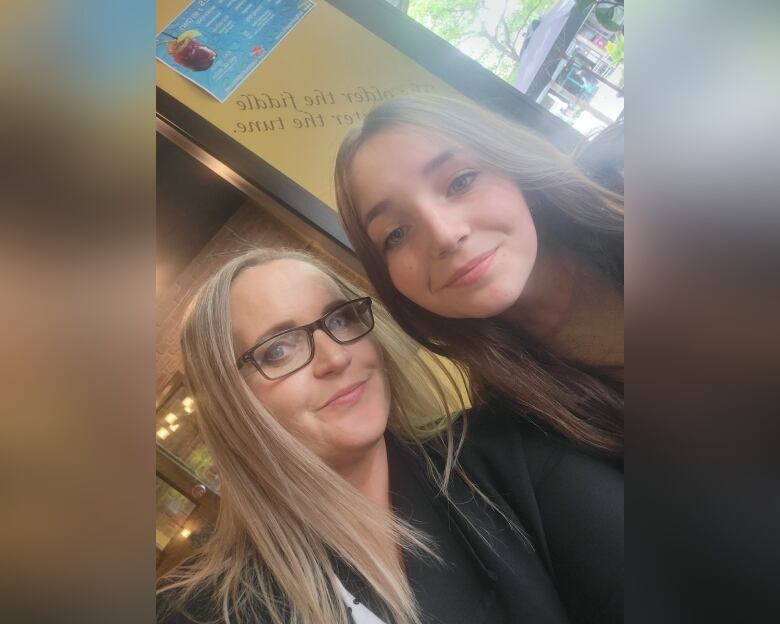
column 217, row 43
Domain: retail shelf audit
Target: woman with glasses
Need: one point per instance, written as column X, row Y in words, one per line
column 353, row 489
column 491, row 247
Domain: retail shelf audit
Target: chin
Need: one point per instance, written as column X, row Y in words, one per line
column 354, row 443
column 491, row 302
column 365, row 427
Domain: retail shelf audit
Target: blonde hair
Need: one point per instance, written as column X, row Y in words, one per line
column 285, row 514
column 571, row 213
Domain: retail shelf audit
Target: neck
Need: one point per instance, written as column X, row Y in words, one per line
column 546, row 299
column 369, row 474
column 573, row 311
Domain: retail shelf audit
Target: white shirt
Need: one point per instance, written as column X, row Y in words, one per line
column 360, row 613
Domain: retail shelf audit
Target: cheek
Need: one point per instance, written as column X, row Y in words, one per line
column 405, row 273
column 370, row 357
column 285, row 400
column 523, row 230
column 506, row 209
column 368, row 354
column 509, row 214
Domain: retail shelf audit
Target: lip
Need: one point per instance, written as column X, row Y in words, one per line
column 347, row 395
column 471, row 271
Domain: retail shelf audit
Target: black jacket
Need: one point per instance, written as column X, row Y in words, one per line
column 568, row 502
column 568, row 568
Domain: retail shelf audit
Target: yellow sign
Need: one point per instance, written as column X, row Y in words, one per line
column 295, row 108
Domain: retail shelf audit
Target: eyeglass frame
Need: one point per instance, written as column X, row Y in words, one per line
column 309, row 328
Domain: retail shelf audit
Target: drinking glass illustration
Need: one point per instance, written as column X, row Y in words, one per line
column 189, row 52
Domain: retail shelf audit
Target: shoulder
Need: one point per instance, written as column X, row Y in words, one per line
column 507, row 438
column 197, row 609
column 496, row 429
column 170, row 612
column 202, row 606
column 577, row 495
column 601, row 158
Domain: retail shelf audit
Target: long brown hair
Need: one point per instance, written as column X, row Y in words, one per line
column 285, row 514
column 571, row 213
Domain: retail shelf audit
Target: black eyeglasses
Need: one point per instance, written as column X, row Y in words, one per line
column 291, row 350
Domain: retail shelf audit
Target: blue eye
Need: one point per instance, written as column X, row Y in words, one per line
column 396, row 237
column 340, row 320
column 275, row 353
column 278, row 352
column 461, row 182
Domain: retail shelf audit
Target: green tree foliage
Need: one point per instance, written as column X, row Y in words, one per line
column 615, row 49
column 496, row 42
column 604, row 11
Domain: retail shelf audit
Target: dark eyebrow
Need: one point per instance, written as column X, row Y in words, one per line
column 437, row 162
column 428, row 169
column 375, row 212
column 285, row 325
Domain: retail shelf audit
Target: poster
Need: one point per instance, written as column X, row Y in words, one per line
column 217, row 44
column 294, row 110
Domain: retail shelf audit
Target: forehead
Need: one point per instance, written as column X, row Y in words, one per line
column 393, row 159
column 277, row 292
column 411, row 143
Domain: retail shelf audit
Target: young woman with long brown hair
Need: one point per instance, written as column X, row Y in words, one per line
column 353, row 490
column 491, row 247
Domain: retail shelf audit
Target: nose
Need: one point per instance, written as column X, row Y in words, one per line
column 329, row 356
column 446, row 230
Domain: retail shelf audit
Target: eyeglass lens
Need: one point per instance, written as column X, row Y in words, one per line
column 292, row 350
